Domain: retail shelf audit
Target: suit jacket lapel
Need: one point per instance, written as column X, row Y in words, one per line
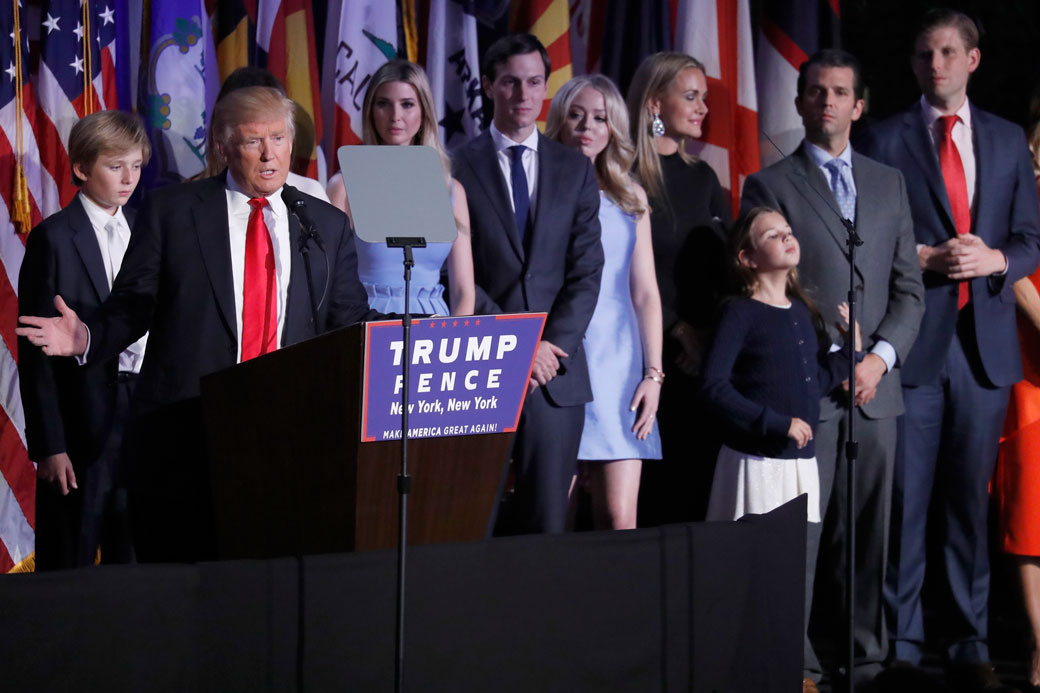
column 490, row 176
column 297, row 298
column 922, row 149
column 87, row 246
column 985, row 148
column 211, row 226
column 547, row 182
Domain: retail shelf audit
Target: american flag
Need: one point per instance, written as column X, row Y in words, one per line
column 79, row 72
column 19, row 187
column 77, row 76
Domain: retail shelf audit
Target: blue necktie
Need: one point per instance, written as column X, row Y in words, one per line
column 521, row 196
column 843, row 192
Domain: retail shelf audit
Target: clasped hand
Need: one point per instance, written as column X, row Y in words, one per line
column 870, row 370
column 546, row 364
column 965, row 257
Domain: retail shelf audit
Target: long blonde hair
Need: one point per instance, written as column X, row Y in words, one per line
column 652, row 80
column 614, row 163
column 409, row 73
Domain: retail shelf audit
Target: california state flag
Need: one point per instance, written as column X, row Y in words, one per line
column 360, row 36
column 718, row 33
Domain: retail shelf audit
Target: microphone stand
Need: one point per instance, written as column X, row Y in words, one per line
column 851, row 455
column 307, row 234
column 851, row 444
column 404, row 482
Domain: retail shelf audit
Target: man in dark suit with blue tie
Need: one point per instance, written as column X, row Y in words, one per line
column 533, row 207
column 974, row 205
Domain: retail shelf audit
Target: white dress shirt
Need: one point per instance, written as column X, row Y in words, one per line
column 113, row 247
column 276, row 216
column 505, row 163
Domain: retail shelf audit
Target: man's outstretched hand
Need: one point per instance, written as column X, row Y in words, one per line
column 65, row 335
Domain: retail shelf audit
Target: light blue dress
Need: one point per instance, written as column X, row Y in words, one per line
column 381, row 270
column 615, row 351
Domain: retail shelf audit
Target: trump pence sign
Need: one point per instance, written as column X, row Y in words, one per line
column 468, row 375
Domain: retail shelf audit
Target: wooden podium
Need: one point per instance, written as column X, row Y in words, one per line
column 291, row 476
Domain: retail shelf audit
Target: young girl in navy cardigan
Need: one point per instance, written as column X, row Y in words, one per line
column 769, row 364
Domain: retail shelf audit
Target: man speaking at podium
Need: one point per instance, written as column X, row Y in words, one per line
column 215, row 272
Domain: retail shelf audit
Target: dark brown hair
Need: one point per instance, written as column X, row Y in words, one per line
column 741, row 240
column 939, row 17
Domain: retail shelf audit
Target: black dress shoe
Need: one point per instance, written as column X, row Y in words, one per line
column 976, row 677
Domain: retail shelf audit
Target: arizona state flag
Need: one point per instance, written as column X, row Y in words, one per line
column 550, row 21
column 285, row 46
column 233, row 26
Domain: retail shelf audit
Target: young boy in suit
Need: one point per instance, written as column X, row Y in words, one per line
column 75, row 415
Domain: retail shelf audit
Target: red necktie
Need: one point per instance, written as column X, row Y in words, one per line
column 956, row 190
column 260, row 288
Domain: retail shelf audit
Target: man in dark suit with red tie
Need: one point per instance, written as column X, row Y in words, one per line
column 534, row 213
column 974, row 205
column 215, row 272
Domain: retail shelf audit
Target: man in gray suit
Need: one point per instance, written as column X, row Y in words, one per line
column 823, row 182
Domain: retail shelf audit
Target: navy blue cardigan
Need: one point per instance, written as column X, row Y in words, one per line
column 763, row 368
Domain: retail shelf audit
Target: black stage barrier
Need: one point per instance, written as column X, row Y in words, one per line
column 701, row 607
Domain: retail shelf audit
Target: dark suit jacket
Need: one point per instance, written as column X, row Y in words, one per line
column 890, row 297
column 176, row 284
column 67, row 408
column 559, row 269
column 1004, row 215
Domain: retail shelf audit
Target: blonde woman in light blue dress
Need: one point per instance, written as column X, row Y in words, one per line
column 623, row 340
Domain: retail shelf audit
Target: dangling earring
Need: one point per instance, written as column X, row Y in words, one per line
column 657, row 126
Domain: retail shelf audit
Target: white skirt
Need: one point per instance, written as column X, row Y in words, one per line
column 749, row 484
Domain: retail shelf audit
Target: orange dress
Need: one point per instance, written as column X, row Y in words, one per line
column 1016, row 484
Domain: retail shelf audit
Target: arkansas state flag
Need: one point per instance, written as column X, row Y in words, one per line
column 718, row 33
column 360, row 36
column 453, row 65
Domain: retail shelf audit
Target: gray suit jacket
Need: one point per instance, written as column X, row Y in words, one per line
column 889, row 292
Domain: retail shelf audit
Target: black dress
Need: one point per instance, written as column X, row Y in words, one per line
column 687, row 229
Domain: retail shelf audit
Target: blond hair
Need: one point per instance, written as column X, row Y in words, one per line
column 652, row 80
column 250, row 105
column 411, row 74
column 614, row 163
column 105, row 132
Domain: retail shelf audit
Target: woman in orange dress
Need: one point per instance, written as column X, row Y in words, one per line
column 1017, row 481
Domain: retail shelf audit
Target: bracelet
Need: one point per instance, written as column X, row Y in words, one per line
column 656, row 378
column 654, row 369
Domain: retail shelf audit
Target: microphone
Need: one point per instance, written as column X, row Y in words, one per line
column 294, row 200
column 297, row 205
